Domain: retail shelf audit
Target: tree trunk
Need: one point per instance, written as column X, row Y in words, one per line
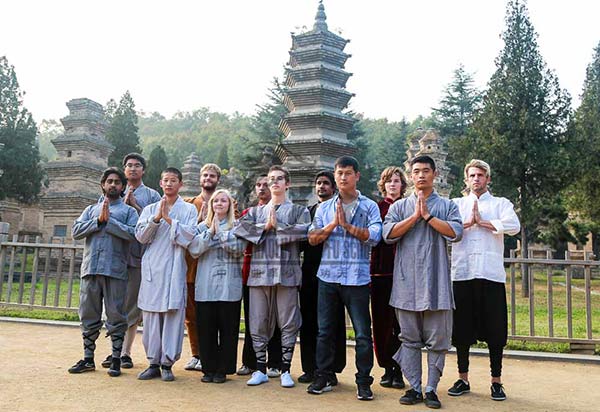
column 524, row 266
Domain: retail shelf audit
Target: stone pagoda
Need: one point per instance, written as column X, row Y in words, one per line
column 191, row 176
column 74, row 176
column 315, row 94
column 430, row 143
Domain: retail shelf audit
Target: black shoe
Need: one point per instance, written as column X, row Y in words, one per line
column 219, row 378
column 320, row 384
column 115, row 367
column 364, row 392
column 459, row 388
column 306, row 377
column 431, row 400
column 106, row 362
column 333, row 381
column 207, row 378
column 153, row 371
column 387, row 378
column 126, row 362
column 84, row 365
column 411, row 397
column 498, row 392
column 398, row 382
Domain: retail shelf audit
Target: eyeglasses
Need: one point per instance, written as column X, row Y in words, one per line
column 134, row 166
column 276, row 179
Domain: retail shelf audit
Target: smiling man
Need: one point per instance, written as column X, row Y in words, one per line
column 420, row 225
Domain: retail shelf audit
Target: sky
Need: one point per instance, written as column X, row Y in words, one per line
column 182, row 55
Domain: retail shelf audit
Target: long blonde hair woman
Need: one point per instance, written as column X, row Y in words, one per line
column 217, row 201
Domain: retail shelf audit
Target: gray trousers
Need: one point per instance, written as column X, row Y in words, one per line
column 94, row 290
column 271, row 306
column 163, row 336
column 426, row 329
column 134, row 314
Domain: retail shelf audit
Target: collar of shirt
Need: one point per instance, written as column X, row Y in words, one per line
column 485, row 196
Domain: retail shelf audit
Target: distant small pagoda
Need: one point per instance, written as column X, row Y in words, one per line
column 191, row 176
column 430, row 143
column 315, row 129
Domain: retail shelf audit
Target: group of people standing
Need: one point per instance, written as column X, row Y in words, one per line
column 172, row 262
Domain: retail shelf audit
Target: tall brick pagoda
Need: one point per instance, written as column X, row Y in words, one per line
column 74, row 176
column 431, row 144
column 315, row 94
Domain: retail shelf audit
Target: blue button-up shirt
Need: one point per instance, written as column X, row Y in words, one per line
column 106, row 245
column 345, row 258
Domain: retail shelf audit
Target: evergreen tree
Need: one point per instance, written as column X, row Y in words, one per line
column 156, row 163
column 223, row 158
column 123, row 129
column 22, row 174
column 522, row 129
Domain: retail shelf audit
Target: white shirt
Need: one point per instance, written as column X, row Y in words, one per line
column 480, row 253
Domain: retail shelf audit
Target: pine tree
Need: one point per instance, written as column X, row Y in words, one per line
column 22, row 174
column 123, row 129
column 223, row 158
column 156, row 163
column 522, row 129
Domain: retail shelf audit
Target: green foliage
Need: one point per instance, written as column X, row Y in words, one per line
column 522, row 128
column 48, row 130
column 122, row 131
column 19, row 157
column 156, row 163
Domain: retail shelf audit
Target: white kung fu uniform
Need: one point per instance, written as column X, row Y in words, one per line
column 162, row 293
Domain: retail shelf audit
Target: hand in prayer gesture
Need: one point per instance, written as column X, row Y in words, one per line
column 164, row 210
column 272, row 221
column 130, row 199
column 105, row 212
column 203, row 211
column 340, row 216
column 423, row 206
column 214, row 226
column 475, row 216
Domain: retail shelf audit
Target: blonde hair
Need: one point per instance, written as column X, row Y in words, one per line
column 386, row 176
column 230, row 212
column 480, row 164
column 213, row 167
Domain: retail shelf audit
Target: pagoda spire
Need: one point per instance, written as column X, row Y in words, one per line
column 320, row 24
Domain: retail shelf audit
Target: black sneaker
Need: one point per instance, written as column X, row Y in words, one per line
column 387, row 378
column 333, row 381
column 115, row 367
column 364, row 392
column 459, row 388
column 320, row 384
column 306, row 377
column 411, row 397
column 431, row 400
column 153, row 371
column 219, row 378
column 398, row 382
column 84, row 365
column 106, row 362
column 126, row 362
column 498, row 392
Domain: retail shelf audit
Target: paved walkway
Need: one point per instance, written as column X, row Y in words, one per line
column 35, row 358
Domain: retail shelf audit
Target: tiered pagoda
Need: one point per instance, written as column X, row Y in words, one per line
column 315, row 94
column 74, row 177
column 430, row 144
column 191, row 176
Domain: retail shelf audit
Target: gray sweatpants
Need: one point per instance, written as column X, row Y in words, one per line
column 271, row 306
column 163, row 336
column 134, row 314
column 94, row 291
column 426, row 329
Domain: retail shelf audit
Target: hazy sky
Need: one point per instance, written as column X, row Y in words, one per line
column 183, row 55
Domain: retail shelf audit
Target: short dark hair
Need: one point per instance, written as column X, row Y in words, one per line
column 137, row 157
column 113, row 170
column 260, row 176
column 346, row 161
column 173, row 170
column 286, row 173
column 423, row 159
column 329, row 175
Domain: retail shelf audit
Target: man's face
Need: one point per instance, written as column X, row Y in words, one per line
column 277, row 183
column 422, row 176
column 477, row 181
column 112, row 186
column 134, row 170
column 324, row 188
column 209, row 180
column 346, row 178
column 170, row 184
column 393, row 187
column 262, row 190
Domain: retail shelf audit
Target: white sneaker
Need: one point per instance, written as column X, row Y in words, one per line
column 273, row 372
column 193, row 364
column 257, row 378
column 286, row 380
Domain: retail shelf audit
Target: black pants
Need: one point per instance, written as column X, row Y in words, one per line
column 385, row 325
column 218, row 331
column 310, row 329
column 274, row 348
column 480, row 315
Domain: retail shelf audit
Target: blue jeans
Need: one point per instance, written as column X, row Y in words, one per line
column 356, row 301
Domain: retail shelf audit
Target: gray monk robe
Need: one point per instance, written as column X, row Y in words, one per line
column 422, row 288
column 275, row 275
column 162, row 293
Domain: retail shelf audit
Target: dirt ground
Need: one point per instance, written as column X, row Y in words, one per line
column 33, row 377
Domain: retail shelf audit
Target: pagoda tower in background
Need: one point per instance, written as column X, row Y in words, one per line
column 430, row 143
column 315, row 94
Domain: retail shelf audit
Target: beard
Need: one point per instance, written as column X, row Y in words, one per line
column 112, row 194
